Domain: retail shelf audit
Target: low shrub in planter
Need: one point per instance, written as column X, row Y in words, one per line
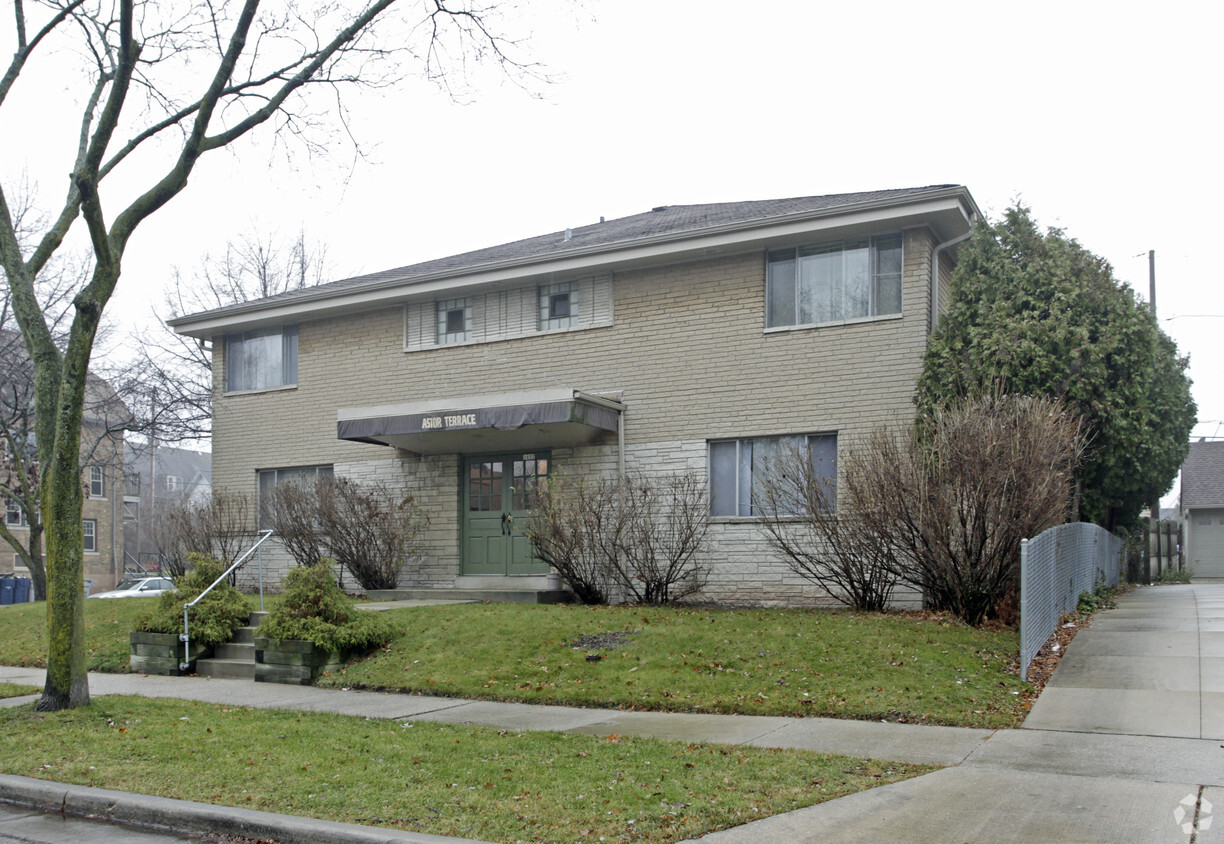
column 313, row 609
column 214, row 620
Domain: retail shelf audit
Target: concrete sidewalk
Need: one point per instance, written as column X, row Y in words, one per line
column 1128, row 731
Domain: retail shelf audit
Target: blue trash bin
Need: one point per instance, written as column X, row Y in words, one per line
column 7, row 587
column 21, row 590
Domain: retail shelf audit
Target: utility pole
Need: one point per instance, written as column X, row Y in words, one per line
column 1154, row 517
column 1152, row 280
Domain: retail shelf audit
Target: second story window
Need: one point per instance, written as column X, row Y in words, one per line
column 832, row 282
column 454, row 321
column 259, row 360
column 97, row 482
column 15, row 515
column 172, row 483
column 557, row 306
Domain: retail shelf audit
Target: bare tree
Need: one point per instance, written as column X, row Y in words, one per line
column 576, row 526
column 831, row 546
column 666, row 521
column 218, row 525
column 641, row 535
column 171, row 380
column 291, row 508
column 949, row 502
column 160, row 87
column 371, row 530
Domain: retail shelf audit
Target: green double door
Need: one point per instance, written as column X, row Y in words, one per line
column 497, row 495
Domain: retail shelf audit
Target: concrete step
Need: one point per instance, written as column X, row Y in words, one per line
column 244, row 635
column 237, row 669
column 235, row 650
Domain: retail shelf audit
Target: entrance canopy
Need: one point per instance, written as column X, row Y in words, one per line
column 468, row 424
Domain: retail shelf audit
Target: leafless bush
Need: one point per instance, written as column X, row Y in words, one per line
column 941, row 507
column 642, row 533
column 950, row 501
column 291, row 508
column 840, row 552
column 370, row 529
column 576, row 527
column 666, row 521
column 218, row 525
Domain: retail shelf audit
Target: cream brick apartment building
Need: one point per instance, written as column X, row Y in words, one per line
column 683, row 338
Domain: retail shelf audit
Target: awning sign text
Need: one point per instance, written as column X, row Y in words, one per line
column 458, row 420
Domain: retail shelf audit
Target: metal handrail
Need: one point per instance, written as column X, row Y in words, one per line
column 129, row 561
column 185, row 636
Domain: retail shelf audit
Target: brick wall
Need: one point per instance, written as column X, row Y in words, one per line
column 687, row 350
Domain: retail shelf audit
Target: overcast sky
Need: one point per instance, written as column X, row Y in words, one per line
column 1102, row 117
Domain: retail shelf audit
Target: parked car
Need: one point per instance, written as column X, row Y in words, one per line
column 138, row 587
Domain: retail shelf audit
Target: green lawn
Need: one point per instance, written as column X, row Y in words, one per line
column 447, row 780
column 15, row 690
column 894, row 667
column 108, row 621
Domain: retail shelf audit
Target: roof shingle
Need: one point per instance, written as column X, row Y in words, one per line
column 661, row 221
column 1202, row 479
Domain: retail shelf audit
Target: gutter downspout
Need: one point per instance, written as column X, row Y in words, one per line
column 612, row 404
column 935, row 274
column 620, row 443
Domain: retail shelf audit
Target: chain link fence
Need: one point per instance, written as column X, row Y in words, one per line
column 1055, row 567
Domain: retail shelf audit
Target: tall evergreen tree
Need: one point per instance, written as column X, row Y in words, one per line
column 1035, row 313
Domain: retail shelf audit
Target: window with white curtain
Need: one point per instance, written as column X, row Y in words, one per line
column 269, row 478
column 262, row 359
column 833, row 282
column 739, row 467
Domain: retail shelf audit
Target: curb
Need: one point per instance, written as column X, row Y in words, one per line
column 190, row 817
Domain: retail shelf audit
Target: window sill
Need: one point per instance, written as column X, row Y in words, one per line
column 751, row 520
column 807, row 326
column 258, row 391
column 734, row 520
column 433, row 347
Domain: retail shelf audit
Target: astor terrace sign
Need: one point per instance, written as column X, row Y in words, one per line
column 458, row 420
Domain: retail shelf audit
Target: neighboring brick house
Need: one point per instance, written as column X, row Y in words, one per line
column 1202, row 502
column 102, row 482
column 678, row 339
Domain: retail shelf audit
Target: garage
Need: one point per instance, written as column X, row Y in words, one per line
column 1202, row 494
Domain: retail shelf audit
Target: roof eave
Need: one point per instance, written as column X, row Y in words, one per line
column 323, row 302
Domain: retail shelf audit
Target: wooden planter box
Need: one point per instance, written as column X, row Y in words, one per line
column 293, row 661
column 161, row 653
